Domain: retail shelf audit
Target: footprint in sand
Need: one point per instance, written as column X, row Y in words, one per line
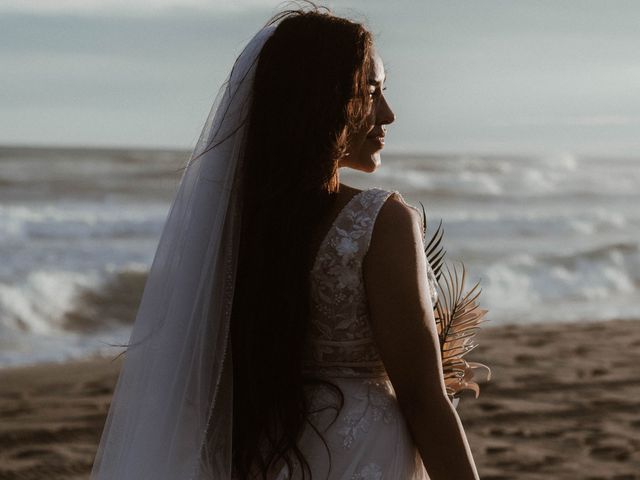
column 15, row 412
column 581, row 350
column 611, row 453
column 497, row 449
column 490, row 407
column 528, row 433
column 39, row 453
column 96, row 389
column 525, row 359
column 13, row 395
column 537, row 342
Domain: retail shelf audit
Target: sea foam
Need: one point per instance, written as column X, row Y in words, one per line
column 550, row 238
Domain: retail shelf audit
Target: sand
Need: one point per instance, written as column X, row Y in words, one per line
column 563, row 403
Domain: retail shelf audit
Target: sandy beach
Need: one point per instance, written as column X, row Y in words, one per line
column 563, row 403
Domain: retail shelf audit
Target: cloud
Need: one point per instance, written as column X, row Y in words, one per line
column 597, row 120
column 603, row 120
column 129, row 6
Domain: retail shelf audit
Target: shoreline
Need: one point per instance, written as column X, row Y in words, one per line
column 563, row 403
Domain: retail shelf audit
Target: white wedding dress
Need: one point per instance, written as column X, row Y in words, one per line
column 369, row 439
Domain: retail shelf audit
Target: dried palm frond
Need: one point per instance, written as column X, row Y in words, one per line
column 457, row 316
column 434, row 250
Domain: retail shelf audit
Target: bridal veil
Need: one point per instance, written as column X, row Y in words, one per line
column 171, row 413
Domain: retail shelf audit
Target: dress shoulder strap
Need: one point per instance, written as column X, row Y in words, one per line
column 371, row 203
column 350, row 235
column 348, row 238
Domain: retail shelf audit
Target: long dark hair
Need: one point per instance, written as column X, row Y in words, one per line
column 309, row 93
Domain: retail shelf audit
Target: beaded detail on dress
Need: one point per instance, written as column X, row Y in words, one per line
column 341, row 343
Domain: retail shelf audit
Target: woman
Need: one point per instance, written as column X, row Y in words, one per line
column 286, row 329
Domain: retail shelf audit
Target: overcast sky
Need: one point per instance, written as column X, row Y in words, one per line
column 463, row 76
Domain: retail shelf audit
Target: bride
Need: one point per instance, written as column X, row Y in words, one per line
column 286, row 329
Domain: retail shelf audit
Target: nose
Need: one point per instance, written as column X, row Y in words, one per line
column 384, row 115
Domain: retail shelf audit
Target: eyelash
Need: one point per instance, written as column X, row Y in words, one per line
column 376, row 91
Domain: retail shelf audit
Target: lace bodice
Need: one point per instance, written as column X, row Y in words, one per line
column 341, row 343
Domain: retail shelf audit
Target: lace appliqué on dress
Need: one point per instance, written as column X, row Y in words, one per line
column 371, row 471
column 377, row 399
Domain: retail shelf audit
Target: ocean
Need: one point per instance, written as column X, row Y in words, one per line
column 550, row 238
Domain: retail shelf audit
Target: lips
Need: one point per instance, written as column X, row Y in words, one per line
column 377, row 141
column 376, row 134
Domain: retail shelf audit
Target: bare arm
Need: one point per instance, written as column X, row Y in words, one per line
column 405, row 330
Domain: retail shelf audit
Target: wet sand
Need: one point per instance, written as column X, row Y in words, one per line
column 563, row 403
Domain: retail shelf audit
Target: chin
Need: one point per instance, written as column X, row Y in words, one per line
column 366, row 162
column 373, row 163
column 367, row 165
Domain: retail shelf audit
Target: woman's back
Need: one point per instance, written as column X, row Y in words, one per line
column 341, row 342
column 368, row 438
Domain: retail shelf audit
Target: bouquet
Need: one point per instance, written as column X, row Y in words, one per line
column 457, row 316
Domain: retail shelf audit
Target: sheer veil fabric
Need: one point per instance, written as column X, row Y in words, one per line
column 171, row 413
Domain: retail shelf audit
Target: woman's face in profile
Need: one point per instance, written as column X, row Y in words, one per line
column 363, row 152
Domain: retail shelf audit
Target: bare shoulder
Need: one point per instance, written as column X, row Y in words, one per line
column 397, row 222
column 397, row 209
